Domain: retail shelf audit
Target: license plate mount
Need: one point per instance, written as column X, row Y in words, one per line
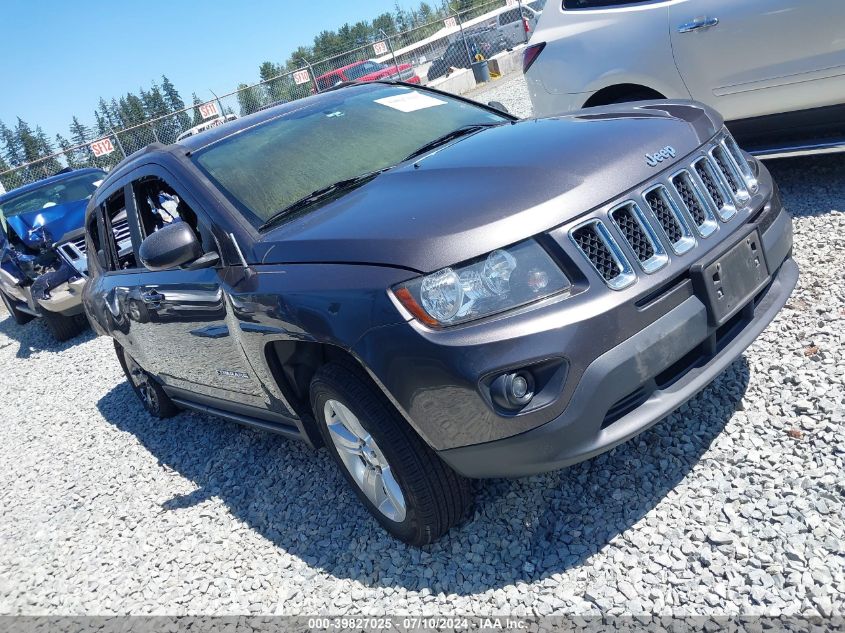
column 727, row 282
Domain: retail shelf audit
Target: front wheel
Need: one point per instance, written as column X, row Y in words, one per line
column 401, row 481
column 21, row 318
column 64, row 328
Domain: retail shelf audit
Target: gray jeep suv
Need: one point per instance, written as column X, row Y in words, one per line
column 434, row 290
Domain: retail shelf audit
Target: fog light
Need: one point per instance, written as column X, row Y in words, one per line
column 519, row 387
column 513, row 390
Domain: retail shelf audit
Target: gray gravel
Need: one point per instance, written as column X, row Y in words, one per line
column 734, row 504
column 510, row 90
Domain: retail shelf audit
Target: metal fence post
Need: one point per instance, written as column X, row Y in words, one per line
column 219, row 104
column 464, row 37
column 522, row 22
column 117, row 138
column 312, row 73
column 390, row 46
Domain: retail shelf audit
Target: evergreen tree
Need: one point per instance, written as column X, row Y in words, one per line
column 174, row 102
column 12, row 150
column 28, row 141
column 296, row 59
column 6, row 179
column 197, row 116
column 385, row 22
column 426, row 13
column 46, row 149
column 79, row 133
column 166, row 127
column 401, row 17
column 274, row 88
column 73, row 157
column 102, row 124
column 249, row 99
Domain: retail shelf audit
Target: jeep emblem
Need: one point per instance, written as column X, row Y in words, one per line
column 658, row 157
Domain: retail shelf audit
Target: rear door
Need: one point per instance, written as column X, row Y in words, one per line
column 181, row 320
column 750, row 58
column 114, row 268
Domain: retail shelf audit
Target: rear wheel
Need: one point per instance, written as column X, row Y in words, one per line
column 21, row 318
column 64, row 328
column 402, row 482
column 149, row 392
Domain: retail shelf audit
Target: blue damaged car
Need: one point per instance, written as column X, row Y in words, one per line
column 43, row 263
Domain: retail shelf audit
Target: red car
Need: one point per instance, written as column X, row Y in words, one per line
column 367, row 70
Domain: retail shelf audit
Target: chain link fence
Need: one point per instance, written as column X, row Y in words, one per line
column 427, row 54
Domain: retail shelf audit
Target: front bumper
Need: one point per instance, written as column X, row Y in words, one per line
column 629, row 377
column 627, row 361
column 65, row 299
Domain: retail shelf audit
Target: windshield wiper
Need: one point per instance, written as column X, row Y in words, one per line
column 464, row 130
column 340, row 186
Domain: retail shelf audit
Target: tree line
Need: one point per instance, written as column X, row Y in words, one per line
column 21, row 143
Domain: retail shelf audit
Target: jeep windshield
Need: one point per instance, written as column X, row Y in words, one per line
column 336, row 138
column 53, row 194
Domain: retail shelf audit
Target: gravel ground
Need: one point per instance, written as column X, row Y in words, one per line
column 511, row 91
column 734, row 504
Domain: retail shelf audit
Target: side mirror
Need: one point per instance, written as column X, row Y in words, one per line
column 498, row 105
column 173, row 245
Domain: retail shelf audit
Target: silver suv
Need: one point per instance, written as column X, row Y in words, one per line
column 775, row 69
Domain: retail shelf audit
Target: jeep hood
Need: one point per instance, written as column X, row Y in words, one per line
column 59, row 220
column 493, row 188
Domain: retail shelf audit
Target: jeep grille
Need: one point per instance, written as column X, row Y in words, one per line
column 674, row 210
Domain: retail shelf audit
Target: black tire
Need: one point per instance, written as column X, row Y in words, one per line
column 153, row 398
column 138, row 311
column 436, row 498
column 21, row 318
column 64, row 328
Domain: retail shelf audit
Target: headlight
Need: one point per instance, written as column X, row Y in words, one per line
column 504, row 279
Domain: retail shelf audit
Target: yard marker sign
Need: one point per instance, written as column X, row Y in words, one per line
column 380, row 48
column 103, row 147
column 209, row 110
column 301, row 77
column 450, row 23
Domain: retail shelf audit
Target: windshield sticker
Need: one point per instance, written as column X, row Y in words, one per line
column 410, row 101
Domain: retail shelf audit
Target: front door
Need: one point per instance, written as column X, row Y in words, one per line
column 181, row 320
column 749, row 58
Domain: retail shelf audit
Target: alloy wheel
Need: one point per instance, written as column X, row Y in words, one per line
column 364, row 460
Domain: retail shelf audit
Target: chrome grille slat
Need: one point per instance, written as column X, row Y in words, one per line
column 642, row 239
column 741, row 164
column 718, row 193
column 730, row 173
column 713, row 190
column 692, row 199
column 601, row 250
column 727, row 172
column 670, row 219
